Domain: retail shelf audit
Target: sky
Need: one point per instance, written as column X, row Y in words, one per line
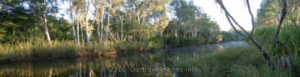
column 236, row 7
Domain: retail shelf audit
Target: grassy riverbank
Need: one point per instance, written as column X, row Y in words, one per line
column 42, row 50
column 236, row 62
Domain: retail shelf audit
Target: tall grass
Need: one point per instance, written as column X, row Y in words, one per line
column 287, row 51
column 43, row 50
column 237, row 62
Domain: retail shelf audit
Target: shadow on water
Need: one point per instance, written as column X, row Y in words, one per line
column 157, row 64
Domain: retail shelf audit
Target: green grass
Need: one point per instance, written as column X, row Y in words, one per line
column 237, row 62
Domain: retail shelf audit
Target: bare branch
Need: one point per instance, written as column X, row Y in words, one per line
column 234, row 28
column 252, row 16
column 231, row 19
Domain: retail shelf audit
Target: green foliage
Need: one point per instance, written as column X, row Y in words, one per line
column 191, row 26
column 265, row 35
column 288, row 36
column 21, row 26
column 17, row 26
column 60, row 29
column 154, row 43
column 267, row 15
column 230, row 36
column 237, row 62
column 288, row 45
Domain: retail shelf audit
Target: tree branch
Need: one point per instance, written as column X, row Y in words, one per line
column 230, row 19
column 283, row 14
column 234, row 28
column 252, row 16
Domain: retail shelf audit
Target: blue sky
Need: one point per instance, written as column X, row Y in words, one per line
column 236, row 7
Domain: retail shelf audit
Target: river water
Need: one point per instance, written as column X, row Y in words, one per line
column 157, row 64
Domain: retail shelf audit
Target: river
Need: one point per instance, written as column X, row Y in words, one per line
column 158, row 64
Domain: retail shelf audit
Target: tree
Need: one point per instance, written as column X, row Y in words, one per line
column 75, row 25
column 99, row 17
column 244, row 33
column 17, row 26
column 190, row 23
column 41, row 9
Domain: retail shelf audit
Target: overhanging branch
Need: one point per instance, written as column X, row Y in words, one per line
column 231, row 19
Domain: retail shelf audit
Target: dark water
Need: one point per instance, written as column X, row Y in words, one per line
column 158, row 64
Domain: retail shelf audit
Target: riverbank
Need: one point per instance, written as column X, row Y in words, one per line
column 235, row 62
column 42, row 50
column 30, row 51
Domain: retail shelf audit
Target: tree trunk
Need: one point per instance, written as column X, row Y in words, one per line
column 87, row 32
column 77, row 33
column 46, row 29
column 101, row 31
column 87, row 28
column 98, row 32
column 81, row 34
column 75, row 25
column 122, row 28
column 74, row 32
column 107, row 28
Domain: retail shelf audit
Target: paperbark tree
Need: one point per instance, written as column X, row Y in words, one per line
column 41, row 9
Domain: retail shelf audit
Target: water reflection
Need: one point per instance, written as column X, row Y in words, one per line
column 143, row 65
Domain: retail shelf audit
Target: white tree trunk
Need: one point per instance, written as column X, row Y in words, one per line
column 75, row 27
column 46, row 29
column 87, row 28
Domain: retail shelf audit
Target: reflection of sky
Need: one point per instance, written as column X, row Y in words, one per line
column 236, row 7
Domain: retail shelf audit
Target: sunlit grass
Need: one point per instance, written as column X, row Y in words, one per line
column 41, row 50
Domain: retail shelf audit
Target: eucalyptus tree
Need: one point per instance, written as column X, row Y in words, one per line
column 191, row 22
column 151, row 16
column 83, row 30
column 41, row 9
column 185, row 14
column 293, row 16
column 75, row 25
column 99, row 13
column 88, row 28
column 268, row 13
column 114, row 9
column 159, row 11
